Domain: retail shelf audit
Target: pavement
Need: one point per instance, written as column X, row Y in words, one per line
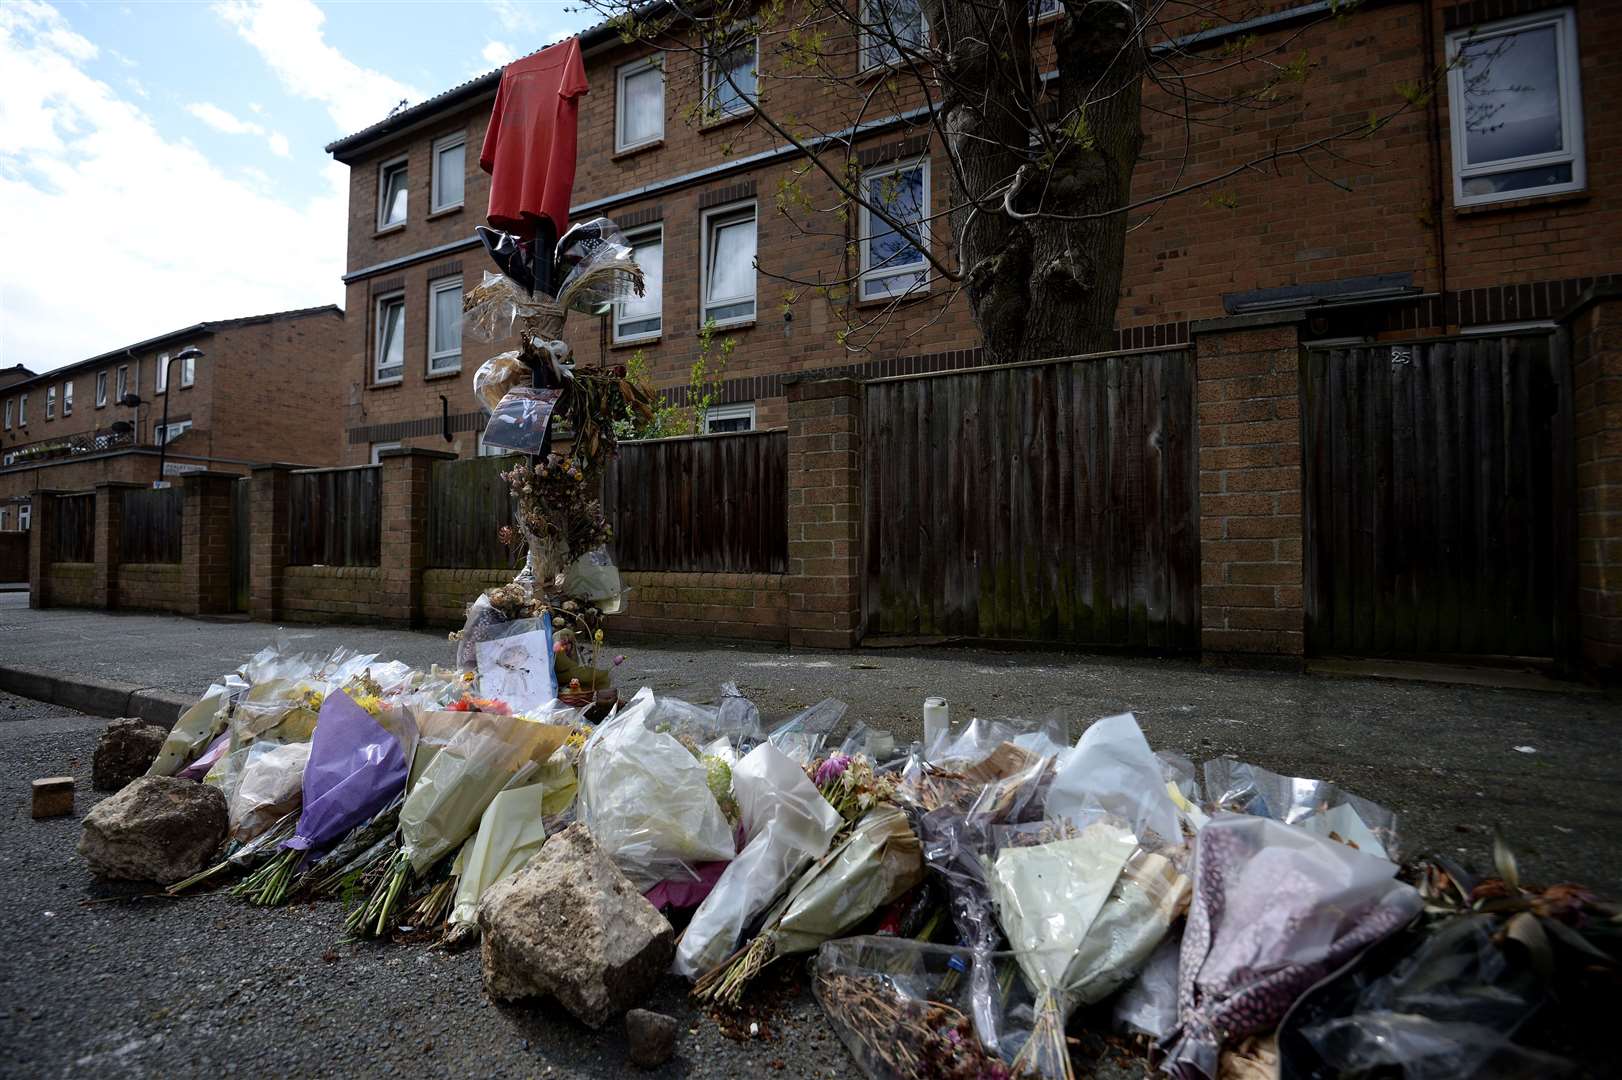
column 144, row 986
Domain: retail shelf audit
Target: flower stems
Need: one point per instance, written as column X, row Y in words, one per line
column 374, row 917
column 268, row 885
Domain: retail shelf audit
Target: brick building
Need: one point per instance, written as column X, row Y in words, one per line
column 1403, row 242
column 268, row 388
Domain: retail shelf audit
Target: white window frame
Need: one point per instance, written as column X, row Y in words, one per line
column 632, row 236
column 1564, row 21
column 636, row 67
column 378, row 302
column 9, row 402
column 175, row 430
column 877, row 275
column 22, row 411
column 5, row 514
column 437, row 205
column 492, row 451
column 379, row 447
column 162, row 386
column 712, row 112
column 50, row 403
column 745, row 409
column 1038, row 15
column 123, row 383
column 383, row 168
column 706, row 228
column 67, row 398
column 25, row 517
column 188, row 372
column 436, row 360
column 101, row 389
column 871, row 43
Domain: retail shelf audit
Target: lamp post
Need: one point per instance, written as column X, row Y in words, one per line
column 190, row 352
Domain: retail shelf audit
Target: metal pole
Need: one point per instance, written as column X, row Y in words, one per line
column 163, row 447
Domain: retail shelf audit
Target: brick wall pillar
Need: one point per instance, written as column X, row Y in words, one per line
column 108, row 542
column 205, row 543
column 42, row 524
column 824, row 502
column 267, row 557
column 404, row 554
column 1247, row 371
column 1595, row 326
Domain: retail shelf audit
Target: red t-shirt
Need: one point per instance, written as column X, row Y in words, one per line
column 529, row 148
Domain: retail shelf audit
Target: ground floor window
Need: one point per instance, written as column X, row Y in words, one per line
column 721, row 419
column 379, row 447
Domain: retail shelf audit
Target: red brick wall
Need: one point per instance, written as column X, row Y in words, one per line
column 1596, row 336
column 71, row 584
column 151, row 587
column 333, row 594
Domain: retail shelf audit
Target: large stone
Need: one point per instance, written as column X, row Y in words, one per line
column 157, row 828
column 650, row 1038
column 125, row 751
column 570, row 926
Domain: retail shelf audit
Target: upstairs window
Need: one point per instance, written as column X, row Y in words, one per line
column 450, row 170
column 166, row 435
column 67, row 398
column 163, row 373
column 642, row 317
column 101, row 389
column 389, row 363
column 640, row 104
column 22, row 411
column 123, row 383
column 8, row 414
column 728, row 285
column 188, row 371
column 1515, row 109
column 729, row 77
column 893, row 262
column 391, row 193
column 50, row 403
column 886, row 23
column 444, row 326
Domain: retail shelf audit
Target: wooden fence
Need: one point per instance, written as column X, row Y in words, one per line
column 468, row 502
column 152, row 525
column 706, row 504
column 335, row 517
column 73, row 529
column 1049, row 502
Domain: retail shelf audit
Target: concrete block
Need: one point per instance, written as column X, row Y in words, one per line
column 53, row 796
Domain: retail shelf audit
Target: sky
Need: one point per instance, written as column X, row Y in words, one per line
column 161, row 164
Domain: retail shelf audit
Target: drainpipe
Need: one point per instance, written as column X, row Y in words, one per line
column 1433, row 114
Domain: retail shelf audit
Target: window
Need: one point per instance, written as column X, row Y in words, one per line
column 5, row 515
column 389, row 363
column 50, row 403
column 1041, row 9
column 729, row 265
column 1515, row 109
column 188, row 371
column 642, row 317
column 723, row 418
column 174, row 431
column 22, row 411
column 123, row 383
column 444, row 325
column 101, row 389
column 450, row 170
column 893, row 263
column 904, row 21
column 492, row 451
column 379, row 447
column 639, row 104
column 391, row 193
column 163, row 373
column 24, row 516
column 729, row 77
column 8, row 414
column 67, row 398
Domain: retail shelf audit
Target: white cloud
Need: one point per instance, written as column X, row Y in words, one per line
column 287, row 35
column 220, row 120
column 513, row 15
column 279, row 145
column 192, row 242
column 498, row 53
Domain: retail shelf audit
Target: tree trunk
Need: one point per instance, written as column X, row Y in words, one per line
column 1040, row 286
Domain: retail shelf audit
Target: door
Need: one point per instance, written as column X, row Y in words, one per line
column 1438, row 492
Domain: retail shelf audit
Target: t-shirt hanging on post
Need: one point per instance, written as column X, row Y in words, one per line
column 529, row 149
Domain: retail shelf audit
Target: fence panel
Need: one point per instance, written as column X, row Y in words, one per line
column 152, row 525
column 73, row 529
column 335, row 517
column 1049, row 502
column 706, row 504
column 468, row 502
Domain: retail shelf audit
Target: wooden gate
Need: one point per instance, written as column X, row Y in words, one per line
column 1438, row 498
column 241, row 494
column 1049, row 502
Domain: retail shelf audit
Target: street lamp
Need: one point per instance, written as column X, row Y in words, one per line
column 190, row 352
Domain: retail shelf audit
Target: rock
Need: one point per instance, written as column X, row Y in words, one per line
column 125, row 751
column 157, row 828
column 650, row 1037
column 53, row 796
column 572, row 927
